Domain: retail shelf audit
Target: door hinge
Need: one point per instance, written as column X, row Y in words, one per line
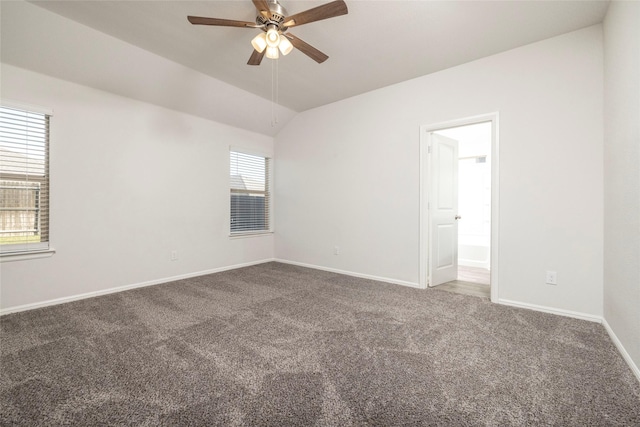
column 429, row 149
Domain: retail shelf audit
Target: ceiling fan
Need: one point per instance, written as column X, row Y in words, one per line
column 274, row 22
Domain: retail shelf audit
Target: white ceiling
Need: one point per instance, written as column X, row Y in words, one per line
column 377, row 44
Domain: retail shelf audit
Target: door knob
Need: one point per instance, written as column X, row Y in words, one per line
column 458, row 217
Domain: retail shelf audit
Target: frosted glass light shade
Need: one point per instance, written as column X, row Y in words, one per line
column 272, row 52
column 272, row 37
column 285, row 45
column 259, row 42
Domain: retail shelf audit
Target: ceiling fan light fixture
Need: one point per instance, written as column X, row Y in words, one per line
column 272, row 37
column 272, row 52
column 285, row 45
column 259, row 42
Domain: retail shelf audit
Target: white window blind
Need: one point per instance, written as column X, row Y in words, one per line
column 24, row 181
column 250, row 193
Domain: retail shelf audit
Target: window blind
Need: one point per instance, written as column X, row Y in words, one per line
column 24, row 180
column 250, row 193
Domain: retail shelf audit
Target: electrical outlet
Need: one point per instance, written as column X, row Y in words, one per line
column 552, row 278
column 174, row 255
column 336, row 250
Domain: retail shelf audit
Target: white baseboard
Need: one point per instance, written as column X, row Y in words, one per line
column 63, row 300
column 551, row 310
column 351, row 273
column 472, row 263
column 621, row 349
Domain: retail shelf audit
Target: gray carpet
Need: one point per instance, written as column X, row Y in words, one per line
column 281, row 345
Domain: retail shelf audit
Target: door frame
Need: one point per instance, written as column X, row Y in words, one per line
column 425, row 183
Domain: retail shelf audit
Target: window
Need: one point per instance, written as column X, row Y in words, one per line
column 24, row 181
column 250, row 193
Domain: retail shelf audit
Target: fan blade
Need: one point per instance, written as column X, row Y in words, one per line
column 262, row 7
column 329, row 10
column 199, row 20
column 256, row 57
column 307, row 49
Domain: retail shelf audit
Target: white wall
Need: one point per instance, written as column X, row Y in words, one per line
column 347, row 174
column 130, row 182
column 622, row 175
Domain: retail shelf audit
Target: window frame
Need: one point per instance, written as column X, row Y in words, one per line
column 268, row 194
column 17, row 252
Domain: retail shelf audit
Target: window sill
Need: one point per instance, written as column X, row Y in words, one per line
column 23, row 256
column 250, row 234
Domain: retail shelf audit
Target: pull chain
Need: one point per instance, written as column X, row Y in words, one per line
column 274, row 92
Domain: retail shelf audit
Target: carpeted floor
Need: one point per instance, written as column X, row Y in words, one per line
column 280, row 345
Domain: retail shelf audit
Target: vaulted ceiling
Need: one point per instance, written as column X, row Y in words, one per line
column 378, row 43
column 147, row 50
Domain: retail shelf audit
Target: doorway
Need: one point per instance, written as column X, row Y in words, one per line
column 458, row 214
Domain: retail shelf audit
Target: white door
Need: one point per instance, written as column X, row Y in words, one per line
column 443, row 210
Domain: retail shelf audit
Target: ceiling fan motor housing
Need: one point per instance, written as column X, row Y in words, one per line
column 278, row 14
